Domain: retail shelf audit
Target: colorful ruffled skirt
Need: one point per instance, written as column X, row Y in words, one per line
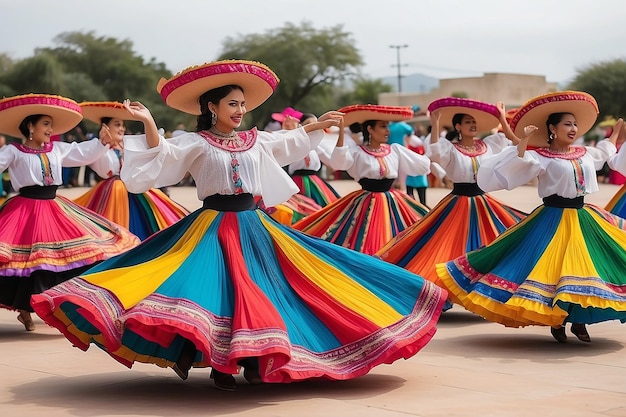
column 296, row 208
column 617, row 205
column 143, row 214
column 456, row 225
column 315, row 187
column 240, row 285
column 44, row 242
column 557, row 265
column 364, row 220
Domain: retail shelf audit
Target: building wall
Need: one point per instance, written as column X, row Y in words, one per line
column 512, row 89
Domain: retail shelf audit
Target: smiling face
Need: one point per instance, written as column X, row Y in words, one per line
column 229, row 111
column 41, row 131
column 467, row 127
column 565, row 131
column 117, row 128
column 378, row 132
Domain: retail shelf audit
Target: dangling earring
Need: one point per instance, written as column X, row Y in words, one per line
column 31, row 135
column 213, row 118
column 458, row 132
column 551, row 138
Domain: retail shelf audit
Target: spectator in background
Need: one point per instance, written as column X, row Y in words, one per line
column 417, row 183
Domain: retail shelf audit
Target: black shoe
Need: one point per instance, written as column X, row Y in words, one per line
column 225, row 382
column 559, row 334
column 580, row 331
column 252, row 376
column 185, row 361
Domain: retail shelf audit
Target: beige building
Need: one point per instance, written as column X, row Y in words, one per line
column 512, row 89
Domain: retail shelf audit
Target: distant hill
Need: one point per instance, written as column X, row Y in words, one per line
column 413, row 83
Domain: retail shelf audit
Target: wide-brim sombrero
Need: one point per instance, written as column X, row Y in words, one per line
column 361, row 113
column 65, row 112
column 487, row 115
column 536, row 111
column 183, row 90
column 97, row 110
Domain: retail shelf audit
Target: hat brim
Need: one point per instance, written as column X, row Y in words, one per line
column 66, row 114
column 536, row 111
column 183, row 90
column 95, row 111
column 487, row 115
column 361, row 113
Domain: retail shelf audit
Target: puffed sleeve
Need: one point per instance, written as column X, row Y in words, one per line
column 601, row 153
column 6, row 157
column 507, row 170
column 617, row 162
column 439, row 152
column 165, row 164
column 107, row 165
column 80, row 153
column 411, row 163
column 287, row 146
column 342, row 159
column 497, row 142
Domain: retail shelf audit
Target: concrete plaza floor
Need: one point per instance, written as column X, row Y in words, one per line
column 470, row 368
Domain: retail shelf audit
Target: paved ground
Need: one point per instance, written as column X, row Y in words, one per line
column 470, row 368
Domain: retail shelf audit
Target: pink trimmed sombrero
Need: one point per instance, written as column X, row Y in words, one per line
column 536, row 111
column 65, row 112
column 361, row 113
column 487, row 115
column 96, row 110
column 183, row 90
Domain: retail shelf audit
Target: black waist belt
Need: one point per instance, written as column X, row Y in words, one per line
column 229, row 202
column 468, row 189
column 304, row 172
column 376, row 186
column 562, row 202
column 38, row 192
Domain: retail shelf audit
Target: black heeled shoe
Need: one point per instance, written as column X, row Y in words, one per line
column 559, row 334
column 580, row 331
column 225, row 382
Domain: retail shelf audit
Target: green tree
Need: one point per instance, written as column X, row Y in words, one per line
column 308, row 61
column 41, row 73
column 104, row 68
column 606, row 82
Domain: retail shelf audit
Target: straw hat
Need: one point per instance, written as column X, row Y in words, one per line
column 536, row 111
column 288, row 111
column 487, row 115
column 65, row 112
column 361, row 113
column 183, row 90
column 97, row 110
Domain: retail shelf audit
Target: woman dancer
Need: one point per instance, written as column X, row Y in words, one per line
column 467, row 218
column 46, row 239
column 227, row 286
column 143, row 214
column 366, row 219
column 565, row 262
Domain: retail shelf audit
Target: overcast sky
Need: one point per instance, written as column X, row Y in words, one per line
column 445, row 38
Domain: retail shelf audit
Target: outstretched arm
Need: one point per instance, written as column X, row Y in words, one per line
column 506, row 128
column 142, row 113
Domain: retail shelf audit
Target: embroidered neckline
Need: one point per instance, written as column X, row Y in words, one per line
column 384, row 150
column 47, row 147
column 242, row 141
column 478, row 148
column 574, row 152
